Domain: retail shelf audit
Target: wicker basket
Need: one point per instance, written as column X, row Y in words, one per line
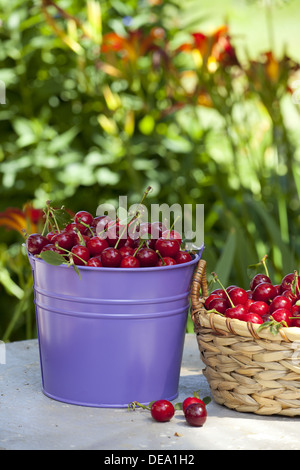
column 247, row 370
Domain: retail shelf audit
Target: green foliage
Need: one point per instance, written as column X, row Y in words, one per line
column 83, row 125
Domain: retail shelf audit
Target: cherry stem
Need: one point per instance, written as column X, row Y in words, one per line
column 139, row 247
column 171, row 228
column 134, row 404
column 70, row 253
column 263, row 261
column 217, row 279
column 86, row 225
column 161, row 257
column 296, row 286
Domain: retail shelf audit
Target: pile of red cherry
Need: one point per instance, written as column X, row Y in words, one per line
column 194, row 409
column 264, row 303
column 102, row 242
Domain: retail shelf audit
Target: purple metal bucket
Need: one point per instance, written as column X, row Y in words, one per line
column 112, row 336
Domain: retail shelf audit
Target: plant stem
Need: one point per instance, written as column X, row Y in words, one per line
column 217, row 279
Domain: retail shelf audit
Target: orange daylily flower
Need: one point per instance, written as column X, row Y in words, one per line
column 135, row 45
column 26, row 221
column 216, row 46
column 272, row 67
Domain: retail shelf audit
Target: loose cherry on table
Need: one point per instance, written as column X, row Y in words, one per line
column 162, row 410
column 196, row 414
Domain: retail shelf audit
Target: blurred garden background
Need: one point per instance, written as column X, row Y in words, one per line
column 198, row 99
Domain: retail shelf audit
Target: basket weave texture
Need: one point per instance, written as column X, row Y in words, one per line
column 247, row 370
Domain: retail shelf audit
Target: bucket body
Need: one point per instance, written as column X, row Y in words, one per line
column 112, row 335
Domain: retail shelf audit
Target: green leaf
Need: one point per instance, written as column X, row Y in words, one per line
column 63, row 218
column 51, row 257
column 178, row 406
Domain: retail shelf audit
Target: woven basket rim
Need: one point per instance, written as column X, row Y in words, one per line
column 233, row 326
column 223, row 325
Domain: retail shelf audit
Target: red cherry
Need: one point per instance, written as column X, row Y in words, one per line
column 73, row 227
column 229, row 288
column 162, row 410
column 52, row 247
column 280, row 301
column 236, row 312
column 253, row 318
column 238, row 296
column 83, row 216
column 35, row 242
column 126, row 251
column 196, row 414
column 166, row 261
column 218, row 304
column 96, row 245
column 80, row 254
column 289, row 294
column 287, row 281
column 210, row 298
column 295, row 310
column 257, row 279
column 167, row 247
column 183, row 257
column 147, row 257
column 94, row 262
column 64, row 239
column 259, row 307
column 264, row 292
column 220, row 293
column 278, row 289
column 282, row 315
column 51, row 234
column 130, row 261
column 189, row 400
column 172, row 235
column 111, row 258
column 81, row 239
column 249, row 303
column 249, row 293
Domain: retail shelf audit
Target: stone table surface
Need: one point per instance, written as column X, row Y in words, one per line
column 32, row 421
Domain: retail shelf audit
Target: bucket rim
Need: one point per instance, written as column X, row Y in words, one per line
column 197, row 257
